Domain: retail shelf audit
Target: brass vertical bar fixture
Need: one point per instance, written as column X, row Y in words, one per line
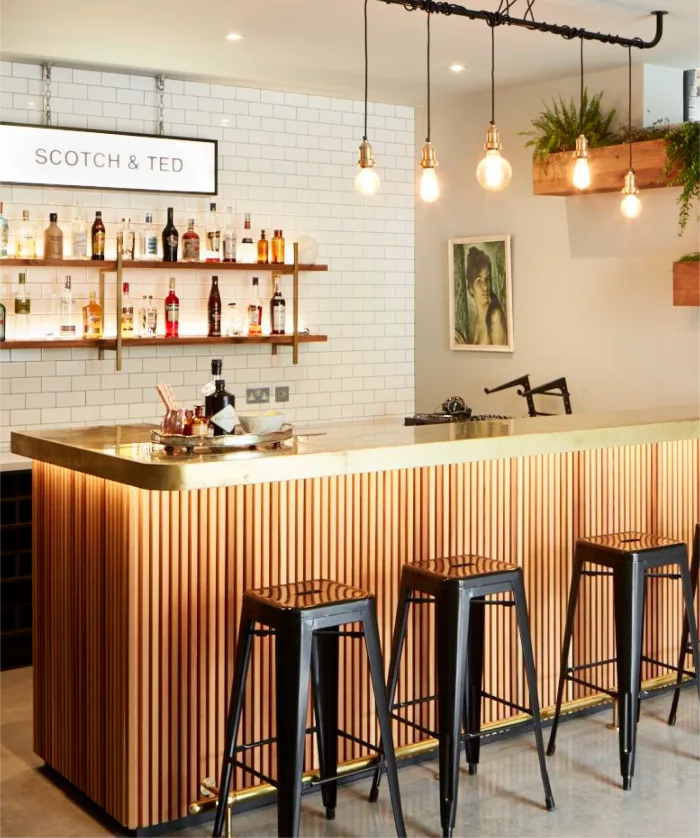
column 582, row 173
column 100, row 348
column 630, row 206
column 295, row 298
column 429, row 186
column 118, row 362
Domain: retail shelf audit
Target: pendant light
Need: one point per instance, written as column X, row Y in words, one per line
column 429, row 186
column 631, row 206
column 582, row 174
column 493, row 172
column 367, row 180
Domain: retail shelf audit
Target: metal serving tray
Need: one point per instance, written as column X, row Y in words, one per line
column 216, row 444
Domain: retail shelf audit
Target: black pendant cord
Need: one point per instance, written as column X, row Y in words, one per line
column 629, row 104
column 427, row 139
column 580, row 115
column 366, row 72
column 493, row 73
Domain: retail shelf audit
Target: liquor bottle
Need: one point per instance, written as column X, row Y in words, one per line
column 92, row 318
column 190, row 243
column 228, row 244
column 200, row 423
column 277, row 248
column 128, row 240
column 127, row 315
column 170, row 239
column 26, row 243
column 214, row 309
column 78, row 236
column 4, row 238
column 23, row 307
column 98, row 238
column 263, row 249
column 143, row 317
column 220, row 405
column 3, row 319
column 149, row 240
column 278, row 309
column 213, row 236
column 247, row 251
column 66, row 325
column 172, row 311
column 151, row 318
column 53, row 239
column 255, row 311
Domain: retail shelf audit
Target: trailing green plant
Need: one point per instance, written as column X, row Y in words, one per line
column 558, row 125
column 690, row 257
column 682, row 167
column 640, row 134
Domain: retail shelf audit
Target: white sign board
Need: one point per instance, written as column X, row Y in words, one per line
column 36, row 156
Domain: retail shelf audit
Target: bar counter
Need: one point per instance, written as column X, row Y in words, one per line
column 140, row 564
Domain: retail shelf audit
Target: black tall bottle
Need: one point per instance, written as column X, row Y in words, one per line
column 219, row 406
column 171, row 239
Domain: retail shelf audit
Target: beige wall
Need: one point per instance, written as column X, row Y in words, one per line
column 592, row 291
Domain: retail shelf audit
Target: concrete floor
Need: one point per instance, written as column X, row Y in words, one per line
column 504, row 799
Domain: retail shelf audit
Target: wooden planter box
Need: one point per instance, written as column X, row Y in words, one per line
column 686, row 283
column 608, row 166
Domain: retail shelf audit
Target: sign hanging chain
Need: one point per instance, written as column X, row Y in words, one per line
column 46, row 70
column 160, row 85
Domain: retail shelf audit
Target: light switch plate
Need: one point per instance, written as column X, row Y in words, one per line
column 281, row 394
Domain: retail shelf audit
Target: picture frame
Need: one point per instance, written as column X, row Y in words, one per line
column 480, row 294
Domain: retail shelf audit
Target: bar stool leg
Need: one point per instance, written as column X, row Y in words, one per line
column 451, row 622
column 566, row 646
column 324, row 668
column 628, row 583
column 690, row 620
column 528, row 658
column 381, row 700
column 474, row 679
column 397, row 641
column 245, row 640
column 292, row 665
column 694, row 570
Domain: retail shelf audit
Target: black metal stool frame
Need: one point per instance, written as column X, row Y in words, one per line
column 628, row 571
column 686, row 648
column 459, row 648
column 305, row 642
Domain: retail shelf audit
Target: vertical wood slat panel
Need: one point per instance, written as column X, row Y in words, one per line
column 137, row 598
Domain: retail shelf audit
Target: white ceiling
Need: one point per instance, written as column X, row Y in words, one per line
column 316, row 45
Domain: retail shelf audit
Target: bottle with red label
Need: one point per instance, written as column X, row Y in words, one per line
column 172, row 312
column 171, row 239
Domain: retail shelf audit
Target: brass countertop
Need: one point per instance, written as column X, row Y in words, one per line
column 122, row 453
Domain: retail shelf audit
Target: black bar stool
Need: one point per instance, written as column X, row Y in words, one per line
column 458, row 587
column 686, row 647
column 630, row 558
column 304, row 618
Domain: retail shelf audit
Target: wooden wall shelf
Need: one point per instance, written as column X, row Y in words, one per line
column 608, row 166
column 187, row 340
column 686, row 283
column 111, row 265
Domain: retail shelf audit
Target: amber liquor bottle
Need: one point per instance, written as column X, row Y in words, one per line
column 98, row 238
column 214, row 309
column 190, row 243
column 171, row 239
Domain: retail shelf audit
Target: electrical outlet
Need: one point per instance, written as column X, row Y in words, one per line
column 257, row 395
column 281, row 394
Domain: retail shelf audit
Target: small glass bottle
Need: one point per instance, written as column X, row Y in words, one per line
column 127, row 315
column 171, row 239
column 128, row 240
column 151, row 318
column 53, row 239
column 228, row 242
column 143, row 317
column 172, row 311
column 278, row 308
column 263, row 249
column 255, row 311
column 149, row 240
column 98, row 238
column 4, row 235
column 189, row 422
column 200, row 423
column 247, row 251
column 190, row 243
column 234, row 321
column 79, row 236
column 67, row 328
column 214, row 309
column 92, row 318
column 26, row 241
column 23, row 308
column 213, row 236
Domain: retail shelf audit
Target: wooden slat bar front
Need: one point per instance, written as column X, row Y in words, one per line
column 137, row 597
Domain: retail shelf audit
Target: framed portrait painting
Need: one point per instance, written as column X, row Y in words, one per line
column 481, row 294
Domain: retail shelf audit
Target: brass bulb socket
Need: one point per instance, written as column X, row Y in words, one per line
column 366, row 160
column 581, row 152
column 429, row 160
column 493, row 139
column 630, row 187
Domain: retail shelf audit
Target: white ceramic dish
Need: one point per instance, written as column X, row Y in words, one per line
column 262, row 422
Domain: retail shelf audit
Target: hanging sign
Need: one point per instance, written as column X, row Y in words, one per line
column 36, row 156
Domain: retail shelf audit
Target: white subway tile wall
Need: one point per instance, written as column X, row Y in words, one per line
column 287, row 158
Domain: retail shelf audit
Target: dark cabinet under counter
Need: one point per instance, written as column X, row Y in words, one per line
column 15, row 569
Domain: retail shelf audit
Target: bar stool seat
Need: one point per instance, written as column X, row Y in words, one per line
column 304, row 618
column 458, row 587
column 631, row 560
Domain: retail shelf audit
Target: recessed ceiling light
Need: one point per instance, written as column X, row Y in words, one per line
column 457, row 68
column 234, row 36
